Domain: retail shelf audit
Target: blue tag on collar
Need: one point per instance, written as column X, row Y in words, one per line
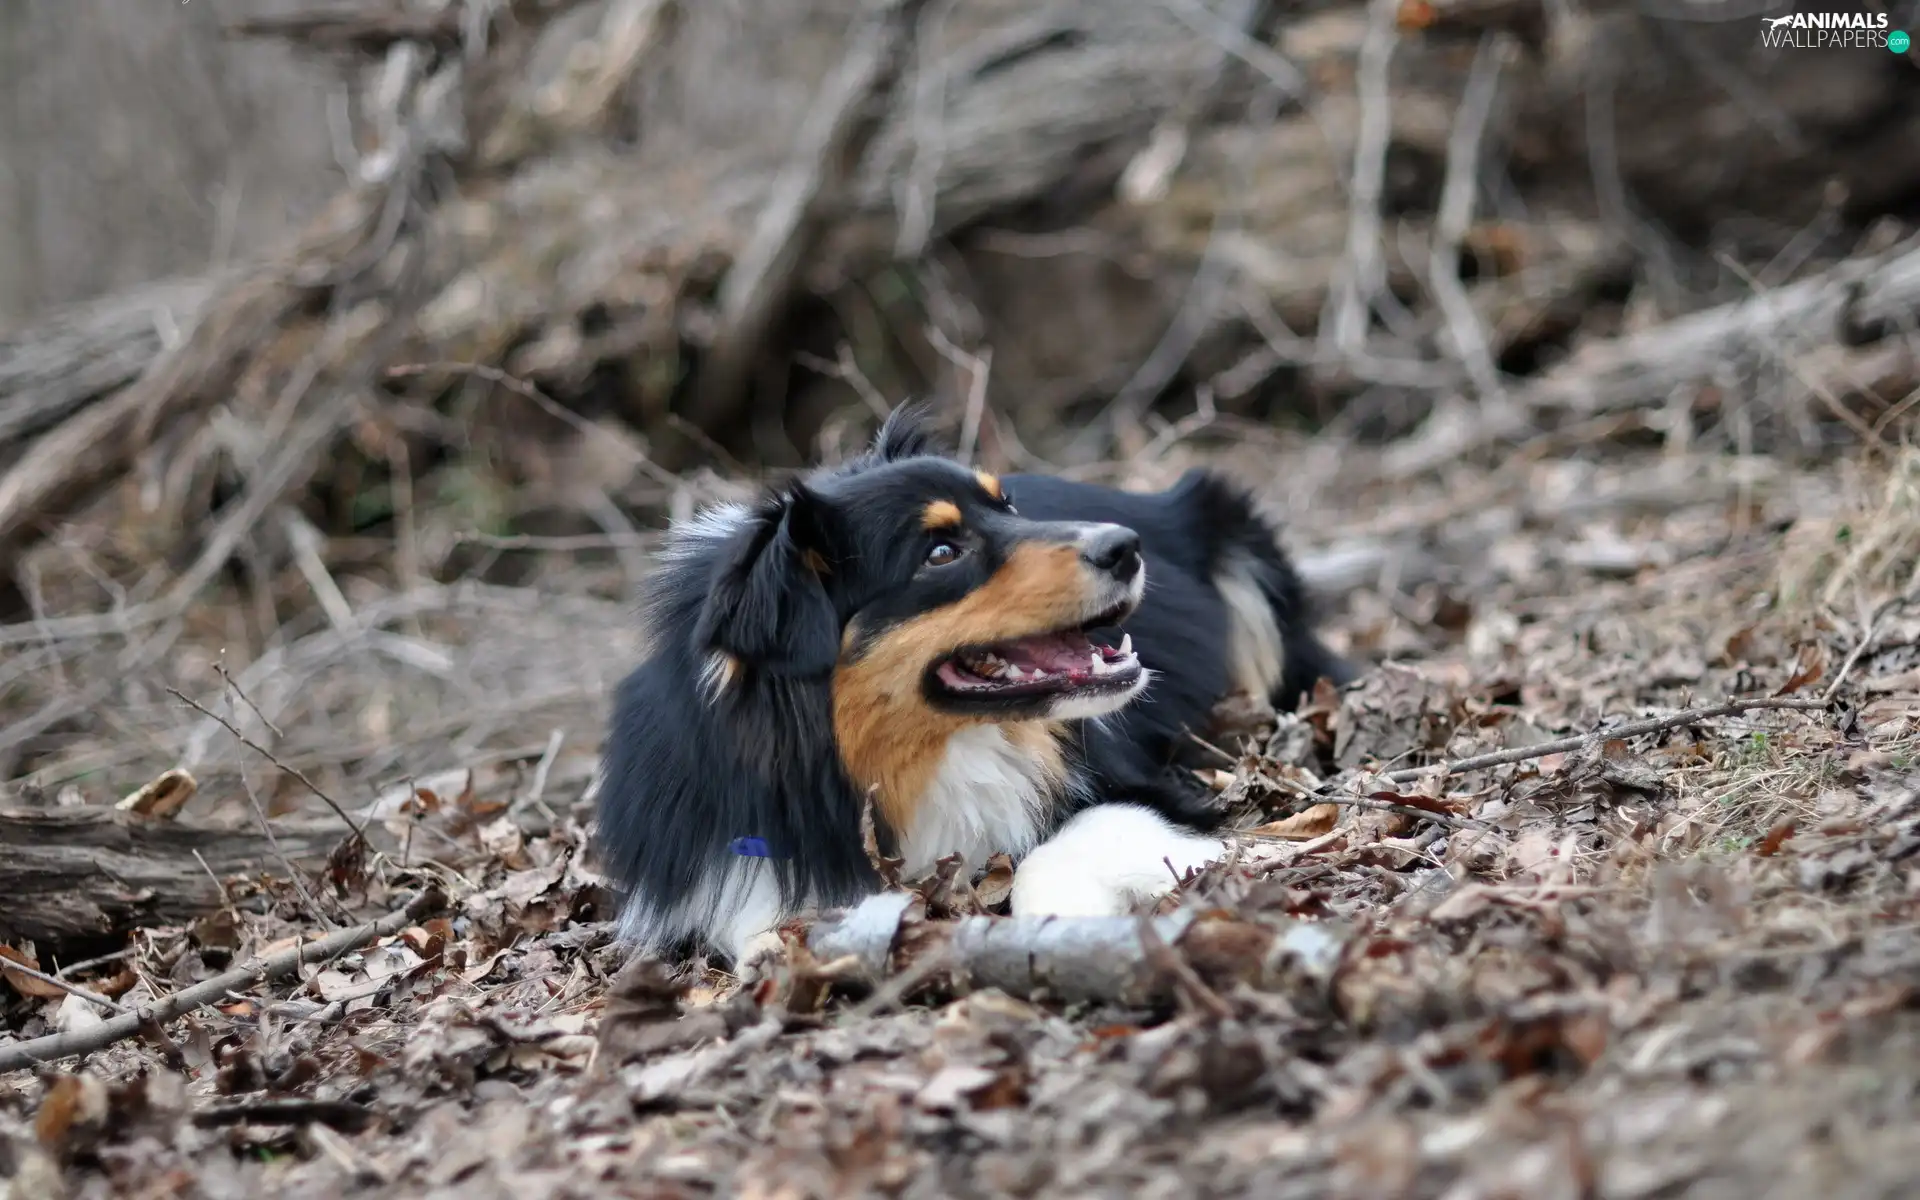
column 750, row 847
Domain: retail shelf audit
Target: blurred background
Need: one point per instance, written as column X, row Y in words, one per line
column 352, row 357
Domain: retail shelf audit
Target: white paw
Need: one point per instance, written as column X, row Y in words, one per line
column 1106, row 861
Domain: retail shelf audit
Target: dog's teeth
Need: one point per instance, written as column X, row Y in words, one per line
column 1126, row 644
column 1098, row 663
column 1014, row 672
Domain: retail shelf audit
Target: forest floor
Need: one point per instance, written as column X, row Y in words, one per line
column 1677, row 963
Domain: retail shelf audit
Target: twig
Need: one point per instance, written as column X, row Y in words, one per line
column 1234, row 39
column 226, row 897
column 1163, row 957
column 1405, row 810
column 233, row 685
column 273, row 842
column 896, row 989
column 833, row 137
column 540, row 772
column 305, row 542
column 1691, row 716
column 9, row 966
column 1347, row 331
column 978, row 367
column 553, row 408
column 1175, row 346
column 1812, row 382
column 1204, row 414
column 89, row 963
column 1150, row 171
column 846, row 369
column 1887, row 608
column 290, row 467
column 560, row 544
column 267, row 754
column 546, row 764
column 1642, row 369
column 918, row 193
column 256, row 970
column 1455, row 217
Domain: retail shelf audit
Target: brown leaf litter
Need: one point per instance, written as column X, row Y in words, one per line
column 1605, row 963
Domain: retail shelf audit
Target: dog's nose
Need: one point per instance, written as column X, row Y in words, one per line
column 1114, row 549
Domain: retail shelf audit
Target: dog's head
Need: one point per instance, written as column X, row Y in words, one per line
column 906, row 572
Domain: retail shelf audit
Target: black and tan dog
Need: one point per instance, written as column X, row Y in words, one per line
column 950, row 644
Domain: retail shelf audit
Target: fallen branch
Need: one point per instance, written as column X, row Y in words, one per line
column 833, row 139
column 1690, row 716
column 1106, row 959
column 1856, row 302
column 1345, row 333
column 295, row 460
column 256, row 970
column 365, row 31
column 94, row 872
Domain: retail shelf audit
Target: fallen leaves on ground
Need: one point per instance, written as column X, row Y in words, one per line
column 1676, row 963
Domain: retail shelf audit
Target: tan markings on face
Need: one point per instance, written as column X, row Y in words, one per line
column 890, row 738
column 991, row 483
column 941, row 514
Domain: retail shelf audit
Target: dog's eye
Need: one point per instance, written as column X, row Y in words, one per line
column 942, row 554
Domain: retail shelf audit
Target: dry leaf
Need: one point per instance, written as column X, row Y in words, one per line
column 72, row 1100
column 1317, row 821
column 1419, row 800
column 951, row 1086
column 1807, row 668
column 27, row 985
column 997, row 884
column 1776, row 838
column 160, row 799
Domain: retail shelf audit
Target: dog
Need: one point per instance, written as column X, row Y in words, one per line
column 996, row 665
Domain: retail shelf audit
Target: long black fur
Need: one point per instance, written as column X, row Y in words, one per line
column 683, row 777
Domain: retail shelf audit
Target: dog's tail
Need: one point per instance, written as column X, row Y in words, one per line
column 1272, row 647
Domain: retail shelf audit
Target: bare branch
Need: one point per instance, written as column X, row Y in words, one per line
column 39, row 1051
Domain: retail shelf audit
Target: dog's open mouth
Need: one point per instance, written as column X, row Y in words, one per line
column 1047, row 664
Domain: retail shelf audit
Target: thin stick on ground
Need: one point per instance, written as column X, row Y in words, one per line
column 9, row 966
column 86, row 964
column 1405, row 810
column 293, row 872
column 256, row 970
column 1690, row 716
column 1163, row 958
column 1886, row 609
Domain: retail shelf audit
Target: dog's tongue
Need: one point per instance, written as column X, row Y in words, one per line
column 1050, row 654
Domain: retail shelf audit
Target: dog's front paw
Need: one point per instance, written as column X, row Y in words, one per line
column 1106, row 861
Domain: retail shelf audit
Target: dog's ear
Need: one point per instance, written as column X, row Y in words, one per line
column 770, row 605
column 905, row 434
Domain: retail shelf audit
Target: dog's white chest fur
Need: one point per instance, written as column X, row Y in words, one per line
column 987, row 796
